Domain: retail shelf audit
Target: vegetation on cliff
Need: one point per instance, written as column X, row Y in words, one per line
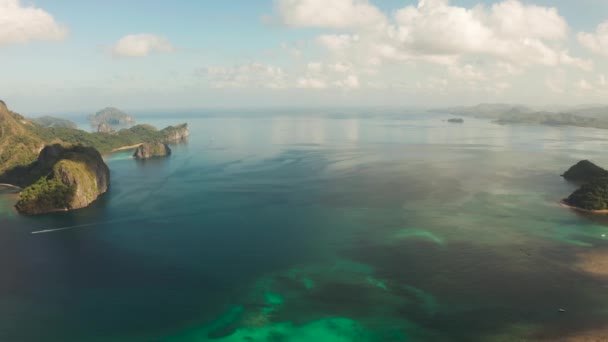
column 591, row 196
column 45, row 193
column 72, row 179
column 18, row 144
column 49, row 121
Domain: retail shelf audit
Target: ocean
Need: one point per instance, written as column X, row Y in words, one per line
column 350, row 225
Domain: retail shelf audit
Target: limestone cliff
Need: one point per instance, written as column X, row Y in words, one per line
column 175, row 133
column 152, row 150
column 75, row 177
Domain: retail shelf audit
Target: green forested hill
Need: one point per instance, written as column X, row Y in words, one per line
column 19, row 144
column 21, row 141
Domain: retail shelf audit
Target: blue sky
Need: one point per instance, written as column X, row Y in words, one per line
column 76, row 56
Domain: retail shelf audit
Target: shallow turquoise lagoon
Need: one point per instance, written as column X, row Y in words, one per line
column 319, row 226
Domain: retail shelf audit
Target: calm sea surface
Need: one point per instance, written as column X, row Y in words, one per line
column 347, row 226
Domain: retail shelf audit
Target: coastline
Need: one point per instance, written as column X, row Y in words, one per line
column 124, row 148
column 565, row 205
column 5, row 185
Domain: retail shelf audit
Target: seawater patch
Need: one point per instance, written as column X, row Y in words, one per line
column 324, row 330
column 580, row 234
column 419, row 234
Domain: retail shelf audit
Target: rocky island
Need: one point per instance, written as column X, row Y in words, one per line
column 61, row 168
column 152, row 150
column 593, row 194
column 74, row 177
column 456, row 120
column 110, row 116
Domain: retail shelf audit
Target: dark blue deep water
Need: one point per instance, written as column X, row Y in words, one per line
column 349, row 226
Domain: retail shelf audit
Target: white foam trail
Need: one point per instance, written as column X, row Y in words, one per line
column 65, row 228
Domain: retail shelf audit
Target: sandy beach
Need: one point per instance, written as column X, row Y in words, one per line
column 603, row 212
column 124, row 148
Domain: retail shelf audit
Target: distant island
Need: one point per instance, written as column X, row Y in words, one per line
column 104, row 119
column 61, row 168
column 592, row 117
column 456, row 120
column 593, row 194
column 49, row 121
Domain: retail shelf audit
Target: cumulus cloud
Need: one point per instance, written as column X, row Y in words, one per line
column 314, row 75
column 584, row 85
column 350, row 82
column 21, row 23
column 141, row 45
column 337, row 42
column 311, row 83
column 341, row 14
column 435, row 31
column 597, row 41
column 254, row 75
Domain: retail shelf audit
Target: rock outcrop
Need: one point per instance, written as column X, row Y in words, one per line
column 584, row 172
column 105, row 128
column 73, row 178
column 152, row 150
column 175, row 133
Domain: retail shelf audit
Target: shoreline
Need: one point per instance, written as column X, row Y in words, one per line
column 6, row 185
column 124, row 148
column 565, row 205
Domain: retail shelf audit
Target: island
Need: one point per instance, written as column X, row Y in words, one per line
column 152, row 150
column 61, row 168
column 72, row 178
column 584, row 172
column 50, row 121
column 500, row 113
column 111, row 116
column 456, row 120
column 593, row 194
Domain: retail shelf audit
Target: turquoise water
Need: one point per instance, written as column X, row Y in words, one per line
column 285, row 226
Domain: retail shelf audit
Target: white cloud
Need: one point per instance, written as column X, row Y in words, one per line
column 597, row 41
column 254, row 75
column 311, row 83
column 340, row 14
column 21, row 23
column 435, row 31
column 141, row 45
column 351, row 82
column 337, row 41
column 557, row 82
column 509, row 31
column 584, row 85
column 467, row 72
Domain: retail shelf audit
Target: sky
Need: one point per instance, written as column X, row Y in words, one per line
column 59, row 56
